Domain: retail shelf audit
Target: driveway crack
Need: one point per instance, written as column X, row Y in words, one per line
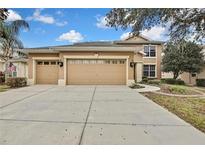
column 19, row 100
column 86, row 121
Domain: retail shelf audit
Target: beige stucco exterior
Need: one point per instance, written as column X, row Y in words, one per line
column 150, row 60
column 132, row 53
column 64, row 56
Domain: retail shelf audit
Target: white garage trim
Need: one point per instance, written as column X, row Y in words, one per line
column 93, row 57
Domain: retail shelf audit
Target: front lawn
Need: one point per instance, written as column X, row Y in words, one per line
column 178, row 89
column 3, row 88
column 192, row 110
column 202, row 89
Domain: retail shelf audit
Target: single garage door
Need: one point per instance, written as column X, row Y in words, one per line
column 96, row 72
column 47, row 72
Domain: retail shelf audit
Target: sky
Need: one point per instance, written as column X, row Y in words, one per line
column 50, row 27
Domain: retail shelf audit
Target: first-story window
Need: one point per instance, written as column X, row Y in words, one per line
column 149, row 70
column 14, row 74
column 193, row 75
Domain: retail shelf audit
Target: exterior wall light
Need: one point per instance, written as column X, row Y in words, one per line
column 132, row 64
column 60, row 63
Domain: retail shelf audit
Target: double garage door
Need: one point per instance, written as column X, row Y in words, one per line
column 96, row 72
column 83, row 72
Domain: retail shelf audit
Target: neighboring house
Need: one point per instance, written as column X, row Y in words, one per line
column 187, row 77
column 18, row 67
column 166, row 75
column 191, row 78
column 97, row 63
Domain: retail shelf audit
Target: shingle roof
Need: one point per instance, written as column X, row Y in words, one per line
column 123, row 45
column 103, row 44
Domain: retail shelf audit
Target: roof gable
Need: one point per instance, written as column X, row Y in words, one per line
column 138, row 38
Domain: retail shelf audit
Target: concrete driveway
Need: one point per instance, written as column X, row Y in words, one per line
column 45, row 114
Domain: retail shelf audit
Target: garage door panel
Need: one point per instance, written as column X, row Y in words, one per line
column 47, row 74
column 81, row 74
column 96, row 73
column 111, row 74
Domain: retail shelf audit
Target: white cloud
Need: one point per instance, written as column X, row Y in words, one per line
column 71, row 36
column 63, row 23
column 13, row 16
column 47, row 19
column 37, row 16
column 101, row 22
column 155, row 33
column 125, row 35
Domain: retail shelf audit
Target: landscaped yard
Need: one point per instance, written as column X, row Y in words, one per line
column 202, row 89
column 191, row 110
column 3, row 88
column 179, row 89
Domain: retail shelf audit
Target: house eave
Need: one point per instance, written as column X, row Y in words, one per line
column 80, row 49
column 139, row 42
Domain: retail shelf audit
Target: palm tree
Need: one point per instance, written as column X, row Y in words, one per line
column 3, row 14
column 9, row 39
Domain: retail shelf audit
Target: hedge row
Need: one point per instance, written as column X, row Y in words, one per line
column 200, row 82
column 173, row 81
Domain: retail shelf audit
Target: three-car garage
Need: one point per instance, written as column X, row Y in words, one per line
column 83, row 72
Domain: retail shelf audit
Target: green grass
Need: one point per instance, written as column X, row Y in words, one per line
column 3, row 88
column 191, row 110
column 178, row 89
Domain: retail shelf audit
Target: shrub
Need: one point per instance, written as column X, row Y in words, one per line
column 2, row 77
column 136, row 86
column 170, row 81
column 155, row 82
column 200, row 82
column 173, row 81
column 162, row 80
column 180, row 82
column 16, row 82
column 144, row 79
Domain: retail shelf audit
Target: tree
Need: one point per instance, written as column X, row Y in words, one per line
column 194, row 59
column 10, row 40
column 3, row 17
column 183, row 22
column 182, row 57
column 3, row 14
column 172, row 60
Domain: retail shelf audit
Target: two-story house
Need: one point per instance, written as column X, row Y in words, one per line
column 95, row 63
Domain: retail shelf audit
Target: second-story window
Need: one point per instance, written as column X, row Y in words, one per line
column 150, row 51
